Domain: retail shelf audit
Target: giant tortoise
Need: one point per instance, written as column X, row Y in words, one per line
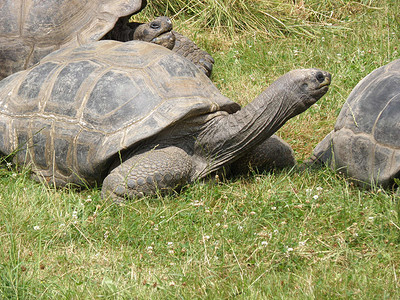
column 30, row 29
column 365, row 142
column 137, row 117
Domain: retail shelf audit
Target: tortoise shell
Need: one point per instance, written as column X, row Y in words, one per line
column 79, row 107
column 30, row 29
column 366, row 138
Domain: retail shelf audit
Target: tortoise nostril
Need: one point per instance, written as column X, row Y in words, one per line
column 320, row 77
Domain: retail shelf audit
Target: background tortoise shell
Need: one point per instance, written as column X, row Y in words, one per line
column 366, row 138
column 76, row 109
column 30, row 29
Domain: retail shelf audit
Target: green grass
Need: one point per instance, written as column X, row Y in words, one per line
column 284, row 235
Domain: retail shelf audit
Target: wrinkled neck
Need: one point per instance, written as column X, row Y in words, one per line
column 228, row 137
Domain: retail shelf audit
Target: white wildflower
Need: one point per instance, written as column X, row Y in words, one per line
column 206, row 237
column 197, row 203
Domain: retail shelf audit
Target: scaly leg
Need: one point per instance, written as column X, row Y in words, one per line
column 158, row 170
column 188, row 49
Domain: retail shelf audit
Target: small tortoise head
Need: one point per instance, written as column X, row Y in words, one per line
column 157, row 32
column 306, row 85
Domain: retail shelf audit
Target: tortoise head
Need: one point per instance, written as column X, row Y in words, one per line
column 306, row 86
column 158, row 32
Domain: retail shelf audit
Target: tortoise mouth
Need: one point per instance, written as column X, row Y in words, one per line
column 166, row 40
column 323, row 86
column 321, row 90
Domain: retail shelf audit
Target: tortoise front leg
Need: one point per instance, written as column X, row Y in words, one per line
column 188, row 49
column 158, row 170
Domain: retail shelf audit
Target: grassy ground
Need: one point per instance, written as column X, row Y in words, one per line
column 286, row 235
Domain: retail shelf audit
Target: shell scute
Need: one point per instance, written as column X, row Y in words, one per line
column 387, row 128
column 61, row 149
column 87, row 164
column 382, row 163
column 33, row 82
column 177, row 68
column 63, row 97
column 41, row 141
column 118, row 100
column 22, row 150
column 180, row 79
column 10, row 26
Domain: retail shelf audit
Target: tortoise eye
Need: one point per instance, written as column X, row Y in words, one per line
column 155, row 25
column 320, row 77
